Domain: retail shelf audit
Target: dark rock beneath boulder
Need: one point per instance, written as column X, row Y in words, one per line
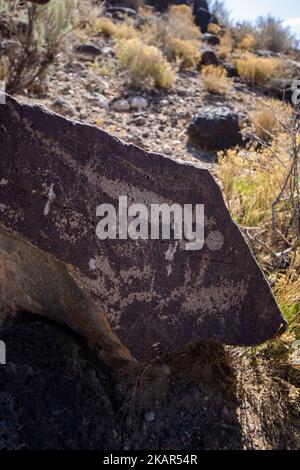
column 215, row 128
column 53, row 393
column 210, row 39
column 209, row 57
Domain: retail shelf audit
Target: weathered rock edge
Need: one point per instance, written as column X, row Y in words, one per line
column 33, row 281
column 153, row 304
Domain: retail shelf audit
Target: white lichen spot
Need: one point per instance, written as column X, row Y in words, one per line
column 51, row 197
column 170, row 253
column 215, row 241
column 3, row 182
column 169, row 256
column 92, row 264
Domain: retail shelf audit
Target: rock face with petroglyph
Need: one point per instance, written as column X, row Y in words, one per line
column 156, row 295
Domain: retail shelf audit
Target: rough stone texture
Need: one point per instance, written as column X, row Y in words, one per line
column 90, row 49
column 200, row 4
column 163, row 5
column 215, row 128
column 203, row 18
column 35, row 281
column 54, row 174
column 53, row 392
column 57, row 394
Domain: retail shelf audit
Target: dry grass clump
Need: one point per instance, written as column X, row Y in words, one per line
column 247, row 43
column 146, row 66
column 183, row 51
column 261, row 187
column 214, row 29
column 175, row 33
column 287, row 291
column 268, row 118
column 105, row 26
column 4, row 69
column 216, row 80
column 251, row 183
column 226, row 45
column 181, row 22
column 258, row 70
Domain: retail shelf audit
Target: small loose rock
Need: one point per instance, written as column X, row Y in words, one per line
column 149, row 416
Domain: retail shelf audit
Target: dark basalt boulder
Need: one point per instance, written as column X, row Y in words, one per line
column 163, row 5
column 146, row 296
column 89, row 49
column 200, row 4
column 215, row 128
column 203, row 18
column 209, row 57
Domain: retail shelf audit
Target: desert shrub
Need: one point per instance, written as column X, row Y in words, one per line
column 4, row 69
column 186, row 52
column 258, row 70
column 269, row 117
column 213, row 28
column 226, row 45
column 216, row 80
column 219, row 9
column 146, row 65
column 181, row 23
column 247, row 43
column 273, row 36
column 262, row 187
column 269, row 34
column 105, row 26
column 126, row 30
column 242, row 29
column 108, row 28
column 175, row 33
column 287, row 291
column 38, row 41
